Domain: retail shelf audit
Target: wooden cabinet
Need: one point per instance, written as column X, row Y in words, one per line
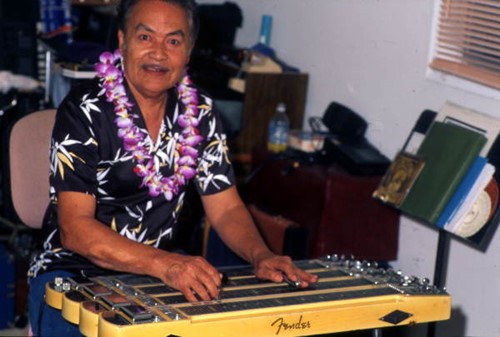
column 335, row 208
column 263, row 91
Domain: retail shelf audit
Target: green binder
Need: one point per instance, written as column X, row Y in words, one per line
column 448, row 151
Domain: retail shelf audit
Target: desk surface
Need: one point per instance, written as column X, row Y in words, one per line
column 77, row 74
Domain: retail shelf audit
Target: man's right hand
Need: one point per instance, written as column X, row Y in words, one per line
column 194, row 276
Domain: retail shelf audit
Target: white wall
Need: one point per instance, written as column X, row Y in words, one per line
column 372, row 56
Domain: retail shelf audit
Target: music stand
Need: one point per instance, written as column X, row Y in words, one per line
column 458, row 115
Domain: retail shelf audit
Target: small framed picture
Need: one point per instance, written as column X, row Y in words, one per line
column 399, row 178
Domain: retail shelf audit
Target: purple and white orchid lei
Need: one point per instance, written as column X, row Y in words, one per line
column 109, row 70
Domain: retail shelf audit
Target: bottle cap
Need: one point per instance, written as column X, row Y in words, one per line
column 281, row 107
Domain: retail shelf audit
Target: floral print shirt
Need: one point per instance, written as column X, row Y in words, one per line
column 87, row 156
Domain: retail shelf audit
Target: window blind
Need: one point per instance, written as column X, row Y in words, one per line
column 468, row 40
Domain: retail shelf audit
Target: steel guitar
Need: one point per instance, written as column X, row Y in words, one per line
column 350, row 295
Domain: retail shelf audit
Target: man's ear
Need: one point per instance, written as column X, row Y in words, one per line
column 121, row 40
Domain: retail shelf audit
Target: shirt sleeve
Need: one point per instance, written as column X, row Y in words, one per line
column 215, row 172
column 74, row 154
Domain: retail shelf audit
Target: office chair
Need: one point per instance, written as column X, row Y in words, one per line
column 25, row 175
column 26, row 171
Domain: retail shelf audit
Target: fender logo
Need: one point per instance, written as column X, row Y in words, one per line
column 280, row 324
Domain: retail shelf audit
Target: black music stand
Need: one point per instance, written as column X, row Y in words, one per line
column 440, row 268
column 479, row 241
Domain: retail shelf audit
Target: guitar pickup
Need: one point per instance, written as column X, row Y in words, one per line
column 95, row 291
column 115, row 300
column 136, row 313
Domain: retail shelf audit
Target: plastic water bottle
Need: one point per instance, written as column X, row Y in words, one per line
column 279, row 127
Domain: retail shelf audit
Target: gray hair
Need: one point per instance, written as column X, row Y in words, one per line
column 189, row 6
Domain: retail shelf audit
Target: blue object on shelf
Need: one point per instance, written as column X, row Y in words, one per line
column 265, row 29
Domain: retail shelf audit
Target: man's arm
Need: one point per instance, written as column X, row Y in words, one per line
column 83, row 234
column 232, row 221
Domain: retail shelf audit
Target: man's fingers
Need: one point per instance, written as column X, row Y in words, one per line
column 210, row 284
column 200, row 292
column 282, row 269
column 197, row 279
column 203, row 284
column 190, row 295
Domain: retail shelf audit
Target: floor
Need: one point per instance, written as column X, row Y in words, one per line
column 14, row 332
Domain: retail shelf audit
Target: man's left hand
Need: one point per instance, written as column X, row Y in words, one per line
column 277, row 268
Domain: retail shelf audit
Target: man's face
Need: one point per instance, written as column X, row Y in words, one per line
column 155, row 47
